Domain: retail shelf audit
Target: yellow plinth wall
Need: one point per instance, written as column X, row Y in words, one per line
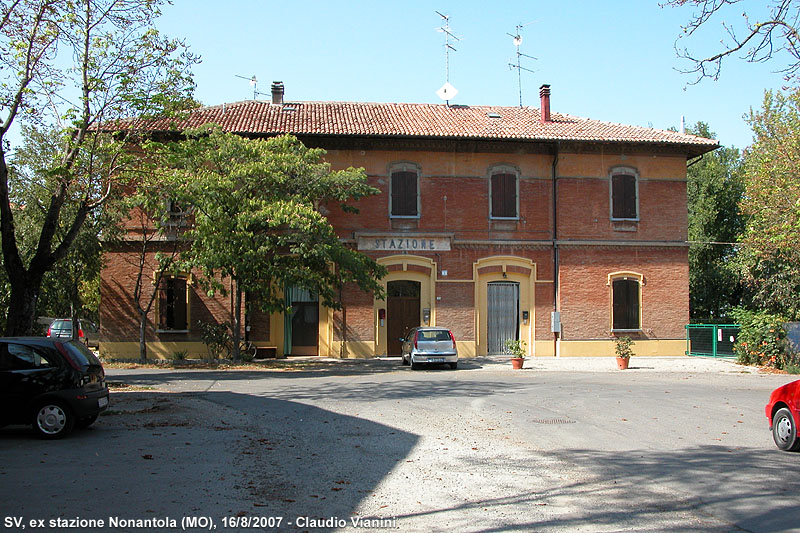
column 652, row 348
column 366, row 349
column 155, row 350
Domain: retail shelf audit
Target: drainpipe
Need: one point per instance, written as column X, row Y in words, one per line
column 556, row 266
column 343, row 347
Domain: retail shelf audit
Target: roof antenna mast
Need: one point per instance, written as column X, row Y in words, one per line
column 517, row 43
column 254, row 82
column 447, row 91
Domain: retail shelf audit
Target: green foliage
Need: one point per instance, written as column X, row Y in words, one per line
column 256, row 216
column 623, row 347
column 179, row 355
column 66, row 68
column 72, row 284
column 215, row 337
column 516, row 347
column 762, row 340
column 715, row 185
column 770, row 257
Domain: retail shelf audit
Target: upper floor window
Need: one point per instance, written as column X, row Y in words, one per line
column 173, row 299
column 624, row 194
column 404, row 191
column 176, row 214
column 626, row 298
column 503, row 192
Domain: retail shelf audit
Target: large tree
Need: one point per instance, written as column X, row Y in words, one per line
column 256, row 218
column 70, row 286
column 756, row 32
column 771, row 244
column 715, row 187
column 72, row 65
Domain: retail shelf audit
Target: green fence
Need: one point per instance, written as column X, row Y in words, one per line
column 711, row 340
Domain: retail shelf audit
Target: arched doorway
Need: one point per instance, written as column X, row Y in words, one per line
column 502, row 314
column 402, row 312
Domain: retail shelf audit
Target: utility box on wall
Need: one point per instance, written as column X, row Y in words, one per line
column 555, row 321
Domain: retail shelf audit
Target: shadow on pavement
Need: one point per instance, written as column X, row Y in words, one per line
column 217, row 454
column 705, row 488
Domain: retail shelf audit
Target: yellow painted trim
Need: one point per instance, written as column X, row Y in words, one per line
column 610, row 283
column 543, row 348
column 641, row 348
column 527, row 297
column 355, row 349
column 155, row 350
column 465, row 349
column 427, row 296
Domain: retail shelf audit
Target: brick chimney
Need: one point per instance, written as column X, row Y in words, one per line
column 544, row 94
column 277, row 92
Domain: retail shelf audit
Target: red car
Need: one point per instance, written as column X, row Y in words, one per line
column 783, row 412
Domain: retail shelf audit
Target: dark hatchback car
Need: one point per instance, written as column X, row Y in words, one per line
column 54, row 385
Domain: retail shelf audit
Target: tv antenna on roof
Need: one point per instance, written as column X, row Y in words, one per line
column 447, row 91
column 517, row 43
column 254, row 82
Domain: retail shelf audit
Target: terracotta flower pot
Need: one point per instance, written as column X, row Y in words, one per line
column 622, row 362
column 516, row 362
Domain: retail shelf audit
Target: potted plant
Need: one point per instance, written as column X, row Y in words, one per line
column 623, row 350
column 517, row 350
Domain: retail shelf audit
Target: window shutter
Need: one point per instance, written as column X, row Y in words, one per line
column 626, row 304
column 162, row 304
column 404, row 193
column 504, row 195
column 623, row 196
column 179, row 304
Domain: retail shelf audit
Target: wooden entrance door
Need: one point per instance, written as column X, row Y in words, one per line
column 402, row 312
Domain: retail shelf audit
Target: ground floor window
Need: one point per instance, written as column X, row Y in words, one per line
column 625, row 307
column 172, row 304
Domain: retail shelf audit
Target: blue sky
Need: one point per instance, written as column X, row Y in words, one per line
column 608, row 60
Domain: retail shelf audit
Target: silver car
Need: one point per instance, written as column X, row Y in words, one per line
column 86, row 332
column 429, row 345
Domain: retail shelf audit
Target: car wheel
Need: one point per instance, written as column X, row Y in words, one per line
column 53, row 420
column 453, row 366
column 86, row 422
column 784, row 431
column 414, row 366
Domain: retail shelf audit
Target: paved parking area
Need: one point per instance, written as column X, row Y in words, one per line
column 672, row 444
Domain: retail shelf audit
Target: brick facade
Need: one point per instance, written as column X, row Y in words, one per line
column 589, row 248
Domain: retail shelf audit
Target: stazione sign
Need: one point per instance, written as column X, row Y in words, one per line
column 404, row 243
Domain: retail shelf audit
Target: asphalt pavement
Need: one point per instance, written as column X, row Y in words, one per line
column 568, row 444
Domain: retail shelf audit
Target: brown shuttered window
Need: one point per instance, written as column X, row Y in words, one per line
column 404, row 194
column 623, row 196
column 172, row 304
column 626, row 304
column 504, row 196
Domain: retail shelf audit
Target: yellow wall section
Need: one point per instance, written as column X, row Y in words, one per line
column 527, row 297
column 427, row 298
column 603, row 348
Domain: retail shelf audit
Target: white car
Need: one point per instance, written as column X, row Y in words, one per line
column 430, row 345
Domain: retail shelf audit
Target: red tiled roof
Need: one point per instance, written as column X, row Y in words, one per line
column 420, row 120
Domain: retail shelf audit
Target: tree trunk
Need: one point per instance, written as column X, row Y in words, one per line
column 22, row 309
column 142, row 331
column 237, row 323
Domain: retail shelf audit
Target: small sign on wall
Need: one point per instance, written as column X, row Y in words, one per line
column 404, row 243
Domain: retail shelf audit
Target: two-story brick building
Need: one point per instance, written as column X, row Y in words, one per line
column 497, row 222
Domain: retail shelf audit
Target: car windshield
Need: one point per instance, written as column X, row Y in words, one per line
column 81, row 354
column 61, row 324
column 434, row 335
